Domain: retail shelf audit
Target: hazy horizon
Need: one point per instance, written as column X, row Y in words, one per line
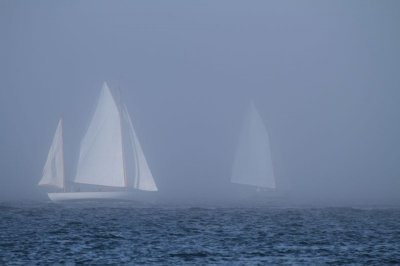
column 324, row 76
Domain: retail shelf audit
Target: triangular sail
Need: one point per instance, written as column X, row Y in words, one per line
column 53, row 170
column 142, row 178
column 253, row 163
column 101, row 153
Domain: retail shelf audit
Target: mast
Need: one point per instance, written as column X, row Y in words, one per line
column 122, row 138
column 135, row 152
column 123, row 154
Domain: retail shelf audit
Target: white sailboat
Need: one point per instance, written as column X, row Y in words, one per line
column 111, row 162
column 253, row 162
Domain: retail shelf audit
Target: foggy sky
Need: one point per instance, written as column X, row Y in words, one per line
column 324, row 76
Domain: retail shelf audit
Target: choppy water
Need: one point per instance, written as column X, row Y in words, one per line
column 117, row 233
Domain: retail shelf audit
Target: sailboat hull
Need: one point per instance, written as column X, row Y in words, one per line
column 141, row 196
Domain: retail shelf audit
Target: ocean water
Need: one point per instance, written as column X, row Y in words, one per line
column 118, row 233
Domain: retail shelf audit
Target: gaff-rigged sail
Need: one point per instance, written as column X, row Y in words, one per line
column 253, row 162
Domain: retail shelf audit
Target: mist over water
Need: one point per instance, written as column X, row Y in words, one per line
column 323, row 75
column 324, row 79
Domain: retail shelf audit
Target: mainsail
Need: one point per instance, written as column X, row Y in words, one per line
column 53, row 171
column 101, row 154
column 253, row 163
column 142, row 177
column 111, row 154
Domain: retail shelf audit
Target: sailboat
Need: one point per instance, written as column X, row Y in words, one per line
column 111, row 161
column 253, row 162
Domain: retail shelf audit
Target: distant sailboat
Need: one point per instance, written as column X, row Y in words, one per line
column 253, row 162
column 111, row 162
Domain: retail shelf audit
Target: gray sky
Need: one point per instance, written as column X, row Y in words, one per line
column 324, row 75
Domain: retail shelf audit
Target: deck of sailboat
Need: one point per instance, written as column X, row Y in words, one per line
column 142, row 196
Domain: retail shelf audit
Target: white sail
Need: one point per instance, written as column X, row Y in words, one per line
column 101, row 153
column 53, row 170
column 142, row 177
column 253, row 163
